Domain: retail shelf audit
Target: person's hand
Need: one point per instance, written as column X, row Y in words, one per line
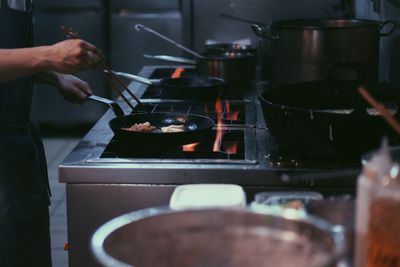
column 73, row 89
column 74, row 55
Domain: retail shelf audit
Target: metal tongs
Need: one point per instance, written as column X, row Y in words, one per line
column 108, row 73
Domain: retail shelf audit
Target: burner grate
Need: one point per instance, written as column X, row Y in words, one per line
column 232, row 148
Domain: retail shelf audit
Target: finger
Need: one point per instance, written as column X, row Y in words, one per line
column 89, row 47
column 79, row 96
column 85, row 62
column 92, row 60
column 84, row 87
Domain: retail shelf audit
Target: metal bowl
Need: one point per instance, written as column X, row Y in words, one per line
column 216, row 237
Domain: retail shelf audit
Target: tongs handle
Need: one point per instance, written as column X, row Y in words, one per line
column 134, row 77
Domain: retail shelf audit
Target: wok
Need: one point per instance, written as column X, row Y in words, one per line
column 196, row 126
column 197, row 88
column 328, row 119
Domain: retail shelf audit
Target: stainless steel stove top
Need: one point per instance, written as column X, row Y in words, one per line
column 247, row 154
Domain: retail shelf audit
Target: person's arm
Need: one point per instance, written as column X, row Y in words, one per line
column 68, row 56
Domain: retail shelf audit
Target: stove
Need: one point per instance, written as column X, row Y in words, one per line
column 106, row 177
column 232, row 149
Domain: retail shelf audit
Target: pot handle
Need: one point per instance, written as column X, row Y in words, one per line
column 114, row 106
column 391, row 29
column 262, row 32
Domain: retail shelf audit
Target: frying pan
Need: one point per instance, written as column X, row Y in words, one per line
column 196, row 126
column 196, row 88
column 232, row 66
column 328, row 119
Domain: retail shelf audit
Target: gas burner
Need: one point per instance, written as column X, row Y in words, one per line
column 276, row 158
column 229, row 148
column 157, row 92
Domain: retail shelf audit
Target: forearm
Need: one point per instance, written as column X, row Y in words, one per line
column 20, row 62
column 47, row 77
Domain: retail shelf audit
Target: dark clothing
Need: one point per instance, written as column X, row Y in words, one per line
column 26, row 243
column 24, row 190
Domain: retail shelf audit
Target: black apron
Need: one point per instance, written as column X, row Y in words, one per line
column 24, row 188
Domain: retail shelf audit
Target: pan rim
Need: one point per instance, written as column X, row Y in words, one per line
column 209, row 81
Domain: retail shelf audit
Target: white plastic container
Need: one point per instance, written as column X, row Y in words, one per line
column 194, row 196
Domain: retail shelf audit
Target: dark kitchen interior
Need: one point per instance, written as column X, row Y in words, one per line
column 256, row 143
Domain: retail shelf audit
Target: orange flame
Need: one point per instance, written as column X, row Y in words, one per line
column 233, row 116
column 190, row 147
column 231, row 149
column 178, row 72
column 220, row 132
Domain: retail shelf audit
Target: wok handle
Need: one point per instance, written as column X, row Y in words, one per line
column 263, row 33
column 114, row 106
column 135, row 78
column 172, row 59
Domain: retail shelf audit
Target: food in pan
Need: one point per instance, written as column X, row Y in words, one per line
column 173, row 128
column 144, row 127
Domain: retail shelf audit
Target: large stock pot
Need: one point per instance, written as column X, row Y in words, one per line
column 304, row 49
column 217, row 237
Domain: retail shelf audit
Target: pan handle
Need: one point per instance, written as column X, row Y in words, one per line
column 114, row 106
column 140, row 27
column 260, row 31
column 227, row 16
column 172, row 59
column 135, row 78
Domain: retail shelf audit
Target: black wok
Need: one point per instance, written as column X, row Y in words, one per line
column 328, row 118
column 196, row 127
column 196, row 88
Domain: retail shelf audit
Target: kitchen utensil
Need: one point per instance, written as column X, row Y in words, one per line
column 304, row 49
column 196, row 88
column 381, row 109
column 328, row 118
column 180, row 60
column 140, row 27
column 196, row 127
column 216, row 237
column 249, row 21
column 231, row 67
column 111, row 79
